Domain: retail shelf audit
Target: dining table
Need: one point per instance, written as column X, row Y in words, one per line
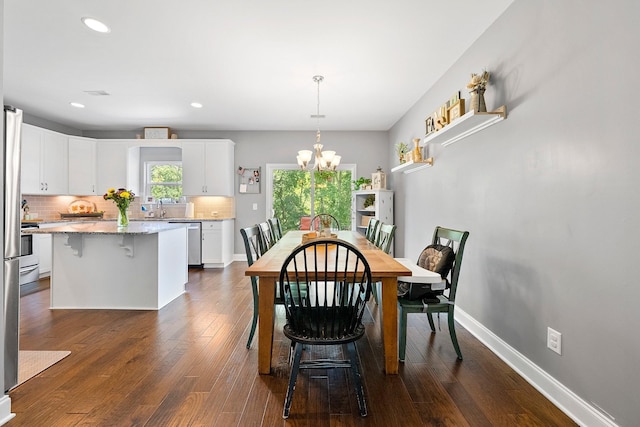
column 384, row 269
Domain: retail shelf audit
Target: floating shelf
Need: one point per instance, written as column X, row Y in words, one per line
column 412, row 166
column 465, row 126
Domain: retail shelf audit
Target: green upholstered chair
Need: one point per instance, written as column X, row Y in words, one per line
column 446, row 303
column 331, row 311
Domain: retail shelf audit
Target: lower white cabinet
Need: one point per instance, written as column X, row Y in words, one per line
column 44, row 254
column 217, row 243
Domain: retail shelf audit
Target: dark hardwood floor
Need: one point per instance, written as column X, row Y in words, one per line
column 187, row 365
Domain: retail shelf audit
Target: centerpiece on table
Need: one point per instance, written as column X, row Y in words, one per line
column 122, row 198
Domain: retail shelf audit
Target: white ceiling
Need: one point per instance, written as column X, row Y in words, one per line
column 250, row 62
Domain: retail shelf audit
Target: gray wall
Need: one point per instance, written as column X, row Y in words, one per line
column 549, row 195
column 256, row 148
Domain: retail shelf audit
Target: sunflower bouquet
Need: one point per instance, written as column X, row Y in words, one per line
column 122, row 198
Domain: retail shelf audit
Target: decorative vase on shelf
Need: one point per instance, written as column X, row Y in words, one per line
column 123, row 219
column 477, row 103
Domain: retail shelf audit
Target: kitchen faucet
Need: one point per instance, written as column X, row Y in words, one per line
column 161, row 211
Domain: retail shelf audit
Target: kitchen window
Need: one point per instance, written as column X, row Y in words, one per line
column 163, row 180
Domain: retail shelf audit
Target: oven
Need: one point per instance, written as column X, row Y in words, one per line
column 29, row 260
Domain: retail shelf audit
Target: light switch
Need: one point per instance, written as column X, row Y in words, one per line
column 255, row 206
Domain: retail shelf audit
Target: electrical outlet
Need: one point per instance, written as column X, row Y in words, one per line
column 554, row 340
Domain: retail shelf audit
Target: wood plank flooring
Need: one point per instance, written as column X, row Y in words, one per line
column 187, row 365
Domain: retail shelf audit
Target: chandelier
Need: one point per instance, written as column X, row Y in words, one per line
column 324, row 160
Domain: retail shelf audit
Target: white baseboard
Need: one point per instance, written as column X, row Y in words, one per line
column 567, row 401
column 5, row 410
column 240, row 257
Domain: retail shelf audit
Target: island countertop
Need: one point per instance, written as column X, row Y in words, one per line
column 107, row 227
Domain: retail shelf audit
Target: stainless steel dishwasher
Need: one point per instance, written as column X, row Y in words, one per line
column 194, row 242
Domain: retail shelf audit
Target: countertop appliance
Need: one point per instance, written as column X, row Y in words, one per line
column 194, row 242
column 11, row 228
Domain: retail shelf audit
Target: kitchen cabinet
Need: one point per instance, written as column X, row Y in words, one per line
column 44, row 163
column 207, row 168
column 44, row 251
column 381, row 209
column 217, row 243
column 113, row 165
column 82, row 167
column 44, row 254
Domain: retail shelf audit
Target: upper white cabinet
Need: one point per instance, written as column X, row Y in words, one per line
column 207, row 167
column 82, row 167
column 44, row 161
column 113, row 164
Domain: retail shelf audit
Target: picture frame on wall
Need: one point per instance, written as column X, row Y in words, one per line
column 456, row 110
column 158, row 132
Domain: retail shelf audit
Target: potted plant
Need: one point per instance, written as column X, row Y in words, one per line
column 358, row 183
column 369, row 201
column 401, row 150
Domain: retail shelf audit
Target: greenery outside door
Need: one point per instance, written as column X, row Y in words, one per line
column 293, row 193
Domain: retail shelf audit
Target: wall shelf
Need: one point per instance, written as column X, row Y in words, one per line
column 412, row 166
column 465, row 126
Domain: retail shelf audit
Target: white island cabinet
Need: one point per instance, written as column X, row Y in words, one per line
column 97, row 265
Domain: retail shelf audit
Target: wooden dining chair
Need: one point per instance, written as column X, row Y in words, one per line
column 324, row 220
column 439, row 303
column 276, row 228
column 267, row 235
column 254, row 248
column 372, row 230
column 384, row 241
column 330, row 313
column 386, row 233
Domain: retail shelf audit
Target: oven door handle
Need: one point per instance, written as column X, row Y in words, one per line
column 27, row 270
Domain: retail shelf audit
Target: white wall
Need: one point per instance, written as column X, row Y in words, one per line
column 549, row 195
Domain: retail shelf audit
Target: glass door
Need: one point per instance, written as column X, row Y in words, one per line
column 295, row 196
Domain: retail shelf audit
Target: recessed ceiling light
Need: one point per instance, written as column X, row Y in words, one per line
column 76, row 104
column 95, row 25
column 196, row 105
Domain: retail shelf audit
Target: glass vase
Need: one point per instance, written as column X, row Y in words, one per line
column 123, row 219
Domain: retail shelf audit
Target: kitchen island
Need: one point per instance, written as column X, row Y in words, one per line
column 97, row 265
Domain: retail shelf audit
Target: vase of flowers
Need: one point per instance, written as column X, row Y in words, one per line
column 122, row 198
column 477, row 86
column 402, row 150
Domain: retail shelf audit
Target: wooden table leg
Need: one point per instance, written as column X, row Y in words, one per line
column 267, row 292
column 390, row 324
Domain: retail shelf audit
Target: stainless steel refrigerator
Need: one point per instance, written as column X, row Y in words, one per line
column 11, row 233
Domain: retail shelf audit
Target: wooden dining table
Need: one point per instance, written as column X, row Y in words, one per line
column 384, row 269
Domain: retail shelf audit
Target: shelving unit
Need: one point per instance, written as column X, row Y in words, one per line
column 465, row 126
column 461, row 128
column 412, row 166
column 382, row 208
